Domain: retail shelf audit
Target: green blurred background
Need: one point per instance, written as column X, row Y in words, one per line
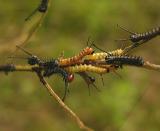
column 130, row 103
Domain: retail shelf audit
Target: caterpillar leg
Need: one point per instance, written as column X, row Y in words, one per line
column 115, row 72
column 88, row 80
column 65, row 90
column 102, row 79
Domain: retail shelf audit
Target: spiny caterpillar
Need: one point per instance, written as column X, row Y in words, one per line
column 85, row 68
column 103, row 55
column 49, row 67
column 67, row 77
column 124, row 60
column 146, row 36
column 77, row 58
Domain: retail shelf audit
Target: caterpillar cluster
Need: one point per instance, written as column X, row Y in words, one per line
column 86, row 61
column 77, row 58
column 50, row 67
column 124, row 60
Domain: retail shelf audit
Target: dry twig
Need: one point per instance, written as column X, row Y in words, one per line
column 151, row 66
column 63, row 105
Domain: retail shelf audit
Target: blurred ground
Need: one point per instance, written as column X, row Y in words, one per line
column 26, row 105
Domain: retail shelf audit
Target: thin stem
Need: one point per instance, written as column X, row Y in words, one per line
column 151, row 66
column 148, row 65
column 62, row 104
column 11, row 68
column 134, row 45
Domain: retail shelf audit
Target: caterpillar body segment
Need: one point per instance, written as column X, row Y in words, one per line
column 103, row 55
column 77, row 58
column 125, row 60
column 85, row 68
column 96, row 56
column 137, row 37
column 102, row 64
column 117, row 52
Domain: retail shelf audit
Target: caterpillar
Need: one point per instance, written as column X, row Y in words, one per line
column 127, row 60
column 42, row 8
column 85, row 68
column 67, row 77
column 49, row 67
column 146, row 36
column 77, row 58
column 103, row 55
column 31, row 60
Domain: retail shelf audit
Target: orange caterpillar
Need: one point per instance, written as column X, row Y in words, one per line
column 103, row 55
column 87, row 68
column 77, row 58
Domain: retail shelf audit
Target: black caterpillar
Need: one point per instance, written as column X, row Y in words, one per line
column 41, row 8
column 49, row 67
column 124, row 60
column 146, row 36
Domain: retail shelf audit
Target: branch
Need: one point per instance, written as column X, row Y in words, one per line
column 29, row 28
column 148, row 65
column 63, row 105
column 134, row 45
column 12, row 67
column 151, row 66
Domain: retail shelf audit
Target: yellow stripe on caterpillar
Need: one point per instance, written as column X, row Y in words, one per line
column 103, row 55
column 117, row 52
column 85, row 68
column 96, row 56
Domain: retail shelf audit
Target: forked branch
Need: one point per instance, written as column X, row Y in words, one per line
column 63, row 105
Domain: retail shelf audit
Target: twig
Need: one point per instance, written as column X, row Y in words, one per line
column 12, row 67
column 151, row 66
column 148, row 65
column 134, row 45
column 63, row 105
column 30, row 27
